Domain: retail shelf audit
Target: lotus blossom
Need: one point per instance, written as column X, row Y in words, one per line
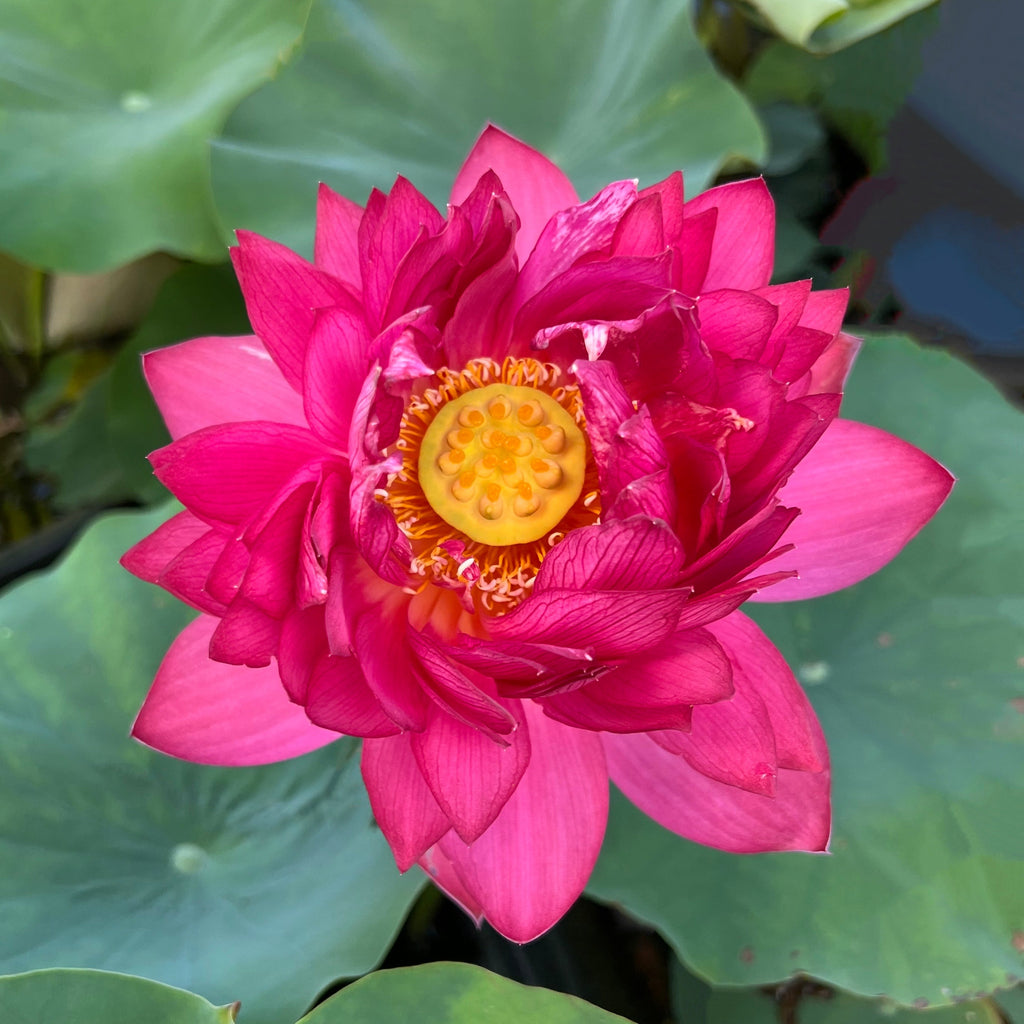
column 488, row 489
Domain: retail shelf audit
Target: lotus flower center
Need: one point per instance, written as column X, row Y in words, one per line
column 502, row 463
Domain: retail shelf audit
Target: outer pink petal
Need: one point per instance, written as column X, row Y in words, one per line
column 201, row 710
column 833, row 366
column 732, row 741
column 440, row 868
column 336, row 366
column 737, row 323
column 281, row 293
column 862, row 494
column 471, row 775
column 537, row 188
column 336, row 249
column 155, row 552
column 228, row 473
column 758, row 666
column 743, row 249
column 690, row 804
column 528, row 868
column 402, row 803
column 580, row 710
column 219, row 380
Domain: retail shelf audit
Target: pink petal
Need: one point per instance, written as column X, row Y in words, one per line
column 528, row 868
column 616, row 623
column 862, row 494
column 151, row 555
column 456, row 691
column 570, row 235
column 201, row 710
column 245, row 635
column 339, row 699
column 470, row 775
column 641, row 231
column 581, row 710
column 758, row 665
column 824, row 310
column 743, row 249
column 690, row 804
column 731, row 741
column 336, row 249
column 402, row 803
column 379, row 638
column 789, row 299
column 689, row 667
column 186, row 574
column 219, row 380
column 693, row 252
column 282, row 291
column 833, row 366
column 670, row 198
column 300, row 647
column 630, row 554
column 445, row 876
column 515, row 659
column 269, row 581
column 387, row 232
column 737, row 323
column 228, row 473
column 537, row 188
column 336, row 365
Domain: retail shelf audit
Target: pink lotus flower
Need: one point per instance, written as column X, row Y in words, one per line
column 487, row 489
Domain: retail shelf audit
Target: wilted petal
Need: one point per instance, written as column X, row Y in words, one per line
column 201, row 710
column 862, row 494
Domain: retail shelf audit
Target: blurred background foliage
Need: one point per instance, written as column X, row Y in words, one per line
column 135, row 136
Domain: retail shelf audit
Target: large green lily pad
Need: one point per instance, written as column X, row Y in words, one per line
column 447, row 993
column 607, row 88
column 807, row 1002
column 101, row 997
column 824, row 26
column 918, row 677
column 255, row 884
column 106, row 110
